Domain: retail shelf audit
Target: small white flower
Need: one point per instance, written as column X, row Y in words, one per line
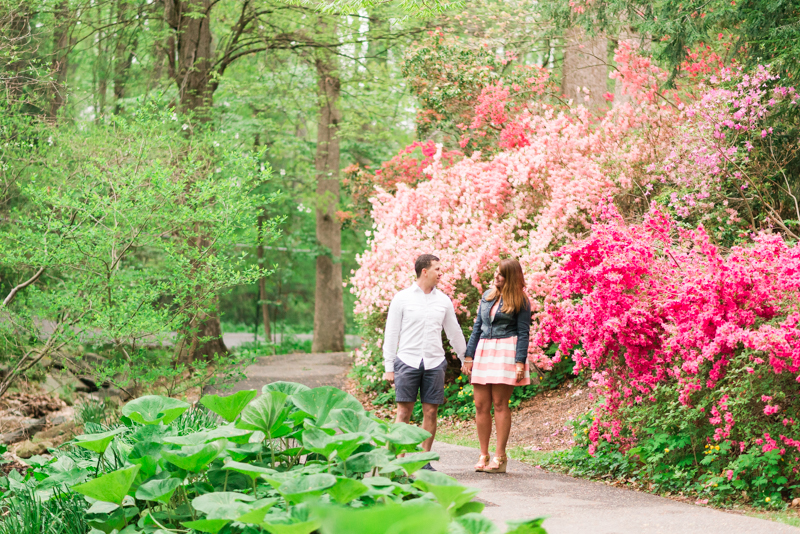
column 283, row 172
column 185, row 127
column 174, row 116
column 236, row 136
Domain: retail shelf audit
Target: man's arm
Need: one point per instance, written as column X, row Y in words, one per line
column 391, row 334
column 454, row 333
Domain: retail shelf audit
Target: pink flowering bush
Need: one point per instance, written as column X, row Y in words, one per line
column 694, row 354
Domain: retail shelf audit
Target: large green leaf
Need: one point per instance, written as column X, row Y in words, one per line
column 111, row 487
column 526, row 526
column 223, row 504
column 266, row 413
column 158, row 490
column 412, row 463
column 402, row 437
column 146, row 455
column 316, row 440
column 347, row 489
column 305, row 527
column 474, row 524
column 231, row 406
column 195, row 458
column 253, row 471
column 446, row 489
column 256, row 515
column 319, row 402
column 306, row 487
column 365, row 462
column 154, row 409
column 349, row 420
column 212, row 526
column 97, row 442
column 290, row 388
column 427, row 518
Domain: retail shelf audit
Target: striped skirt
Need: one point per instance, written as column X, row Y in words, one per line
column 494, row 363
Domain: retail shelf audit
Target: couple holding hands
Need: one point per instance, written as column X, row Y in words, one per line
column 495, row 358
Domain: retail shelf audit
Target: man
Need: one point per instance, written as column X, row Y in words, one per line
column 412, row 348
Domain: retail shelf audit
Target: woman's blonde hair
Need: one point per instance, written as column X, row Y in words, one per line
column 513, row 295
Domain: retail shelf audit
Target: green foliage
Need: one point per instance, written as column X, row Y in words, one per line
column 671, row 446
column 118, row 241
column 274, row 468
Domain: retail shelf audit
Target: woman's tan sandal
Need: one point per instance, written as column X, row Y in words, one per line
column 501, row 463
column 481, row 465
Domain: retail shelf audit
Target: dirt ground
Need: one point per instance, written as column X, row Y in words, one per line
column 538, row 424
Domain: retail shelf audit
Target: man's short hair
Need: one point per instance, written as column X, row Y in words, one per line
column 424, row 262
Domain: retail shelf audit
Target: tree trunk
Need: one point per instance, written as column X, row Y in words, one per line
column 61, row 44
column 262, row 282
column 328, row 303
column 123, row 56
column 190, row 46
column 585, row 67
column 190, row 63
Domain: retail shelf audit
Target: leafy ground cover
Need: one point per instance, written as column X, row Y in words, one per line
column 293, row 460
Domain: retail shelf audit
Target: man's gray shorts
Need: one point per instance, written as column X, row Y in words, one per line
column 428, row 382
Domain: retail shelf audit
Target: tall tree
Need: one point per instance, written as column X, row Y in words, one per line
column 328, row 304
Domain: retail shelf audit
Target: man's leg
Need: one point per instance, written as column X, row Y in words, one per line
column 404, row 410
column 430, row 414
column 432, row 395
column 407, row 381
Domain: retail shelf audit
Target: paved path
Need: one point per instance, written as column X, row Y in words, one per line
column 577, row 506
column 326, row 369
column 234, row 339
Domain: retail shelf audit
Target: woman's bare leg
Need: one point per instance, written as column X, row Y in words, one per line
column 501, row 393
column 482, row 394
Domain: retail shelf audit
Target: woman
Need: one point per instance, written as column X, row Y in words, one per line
column 496, row 358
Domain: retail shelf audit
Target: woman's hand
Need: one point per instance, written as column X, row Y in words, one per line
column 520, row 371
column 467, row 367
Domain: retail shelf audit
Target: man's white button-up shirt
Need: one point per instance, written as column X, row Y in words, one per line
column 414, row 329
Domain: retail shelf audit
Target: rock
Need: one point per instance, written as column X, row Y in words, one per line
column 56, row 435
column 58, row 420
column 27, row 429
column 28, row 448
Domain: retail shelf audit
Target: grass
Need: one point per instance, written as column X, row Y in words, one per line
column 787, row 517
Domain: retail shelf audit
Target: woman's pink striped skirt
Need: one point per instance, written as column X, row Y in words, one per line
column 494, row 363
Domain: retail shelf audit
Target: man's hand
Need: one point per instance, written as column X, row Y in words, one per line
column 466, row 368
column 389, row 377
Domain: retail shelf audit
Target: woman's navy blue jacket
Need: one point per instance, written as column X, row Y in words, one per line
column 503, row 325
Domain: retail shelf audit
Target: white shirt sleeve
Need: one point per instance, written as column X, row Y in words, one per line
column 453, row 331
column 391, row 334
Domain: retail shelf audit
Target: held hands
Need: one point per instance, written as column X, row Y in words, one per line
column 466, row 368
column 389, row 377
column 520, row 371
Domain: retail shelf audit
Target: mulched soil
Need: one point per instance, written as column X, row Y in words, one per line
column 13, row 465
column 25, row 404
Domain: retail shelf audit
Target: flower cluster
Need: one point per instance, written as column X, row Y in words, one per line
column 652, row 304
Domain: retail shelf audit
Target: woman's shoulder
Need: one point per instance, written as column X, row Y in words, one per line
column 486, row 294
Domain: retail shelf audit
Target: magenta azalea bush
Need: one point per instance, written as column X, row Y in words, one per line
column 684, row 342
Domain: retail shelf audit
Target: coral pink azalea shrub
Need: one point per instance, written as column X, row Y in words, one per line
column 526, row 200
column 694, row 353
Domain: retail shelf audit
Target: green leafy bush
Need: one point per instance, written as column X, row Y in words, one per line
column 291, row 460
column 673, row 453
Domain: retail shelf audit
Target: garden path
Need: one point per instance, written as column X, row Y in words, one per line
column 577, row 506
column 313, row 370
column 573, row 506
